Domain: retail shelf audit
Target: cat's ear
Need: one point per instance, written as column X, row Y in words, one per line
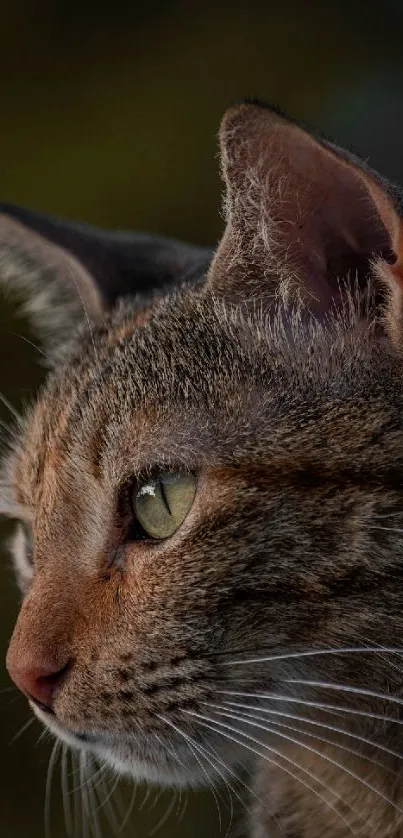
column 65, row 273
column 300, row 213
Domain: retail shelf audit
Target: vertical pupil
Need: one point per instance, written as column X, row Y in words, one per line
column 164, row 496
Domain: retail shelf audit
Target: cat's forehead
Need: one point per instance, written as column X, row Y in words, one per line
column 196, row 383
column 159, row 374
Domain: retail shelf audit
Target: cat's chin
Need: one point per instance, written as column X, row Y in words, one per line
column 140, row 758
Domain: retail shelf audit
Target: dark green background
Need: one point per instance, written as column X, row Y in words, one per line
column 109, row 113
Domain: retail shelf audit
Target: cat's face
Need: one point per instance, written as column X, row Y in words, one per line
column 203, row 484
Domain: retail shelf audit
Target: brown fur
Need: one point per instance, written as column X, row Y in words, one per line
column 290, row 413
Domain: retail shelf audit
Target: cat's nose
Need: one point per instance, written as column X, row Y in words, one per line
column 38, row 682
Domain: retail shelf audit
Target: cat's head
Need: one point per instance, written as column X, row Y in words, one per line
column 211, row 476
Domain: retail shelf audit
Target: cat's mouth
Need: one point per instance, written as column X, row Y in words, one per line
column 86, row 738
column 140, row 756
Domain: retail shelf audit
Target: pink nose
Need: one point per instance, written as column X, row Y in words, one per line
column 38, row 683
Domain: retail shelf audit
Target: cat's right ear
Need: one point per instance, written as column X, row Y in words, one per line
column 65, row 273
column 305, row 220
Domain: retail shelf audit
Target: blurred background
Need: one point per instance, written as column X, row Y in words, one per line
column 109, row 114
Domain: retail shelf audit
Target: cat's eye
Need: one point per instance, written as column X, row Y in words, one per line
column 161, row 504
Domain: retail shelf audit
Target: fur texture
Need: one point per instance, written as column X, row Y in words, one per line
column 266, row 631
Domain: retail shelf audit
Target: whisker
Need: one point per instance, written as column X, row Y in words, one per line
column 248, row 788
column 165, row 817
column 182, row 813
column 92, row 800
column 103, row 803
column 31, row 343
column 169, row 750
column 306, row 719
column 210, row 784
column 346, row 688
column 384, row 650
column 130, row 808
column 320, row 754
column 146, row 797
column 106, row 802
column 191, row 745
column 76, row 796
column 352, row 650
column 328, row 708
column 10, row 408
column 250, row 715
column 273, row 762
column 22, row 729
column 84, row 797
column 178, row 808
column 176, row 758
column 102, row 769
column 157, row 796
column 48, row 789
column 42, row 736
column 65, row 790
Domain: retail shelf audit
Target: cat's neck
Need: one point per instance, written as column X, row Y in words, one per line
column 336, row 795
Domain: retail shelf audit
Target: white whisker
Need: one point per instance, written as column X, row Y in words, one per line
column 92, row 799
column 65, row 790
column 348, row 650
column 105, row 802
column 157, row 796
column 392, row 665
column 146, row 797
column 250, row 791
column 76, row 796
column 10, row 408
column 85, row 813
column 34, row 345
column 182, row 812
column 223, row 711
column 103, row 796
column 22, row 729
column 167, row 814
column 207, row 723
column 306, row 719
column 48, row 789
column 130, row 808
column 194, row 747
column 169, row 750
column 323, row 756
column 325, row 707
column 346, row 688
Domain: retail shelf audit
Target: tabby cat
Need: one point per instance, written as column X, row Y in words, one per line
column 209, row 489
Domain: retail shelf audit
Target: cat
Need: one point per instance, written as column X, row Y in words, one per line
column 209, row 489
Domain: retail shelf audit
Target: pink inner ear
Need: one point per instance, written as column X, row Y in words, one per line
column 335, row 243
column 333, row 218
column 297, row 208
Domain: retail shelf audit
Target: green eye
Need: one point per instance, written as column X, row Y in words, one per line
column 161, row 504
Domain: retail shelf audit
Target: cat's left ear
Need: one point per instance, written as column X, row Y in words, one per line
column 303, row 215
column 65, row 273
